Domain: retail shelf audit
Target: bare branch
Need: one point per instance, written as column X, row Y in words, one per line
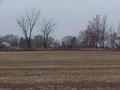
column 47, row 27
column 27, row 24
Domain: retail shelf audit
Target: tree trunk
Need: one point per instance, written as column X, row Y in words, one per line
column 29, row 44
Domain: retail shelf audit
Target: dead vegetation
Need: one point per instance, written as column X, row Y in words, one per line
column 60, row 70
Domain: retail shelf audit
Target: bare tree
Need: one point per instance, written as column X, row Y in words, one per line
column 22, row 43
column 69, row 42
column 118, row 30
column 51, row 42
column 95, row 32
column 38, row 41
column 27, row 24
column 13, row 40
column 47, row 27
column 103, row 31
column 113, row 38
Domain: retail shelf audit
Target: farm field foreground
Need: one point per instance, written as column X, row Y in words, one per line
column 60, row 70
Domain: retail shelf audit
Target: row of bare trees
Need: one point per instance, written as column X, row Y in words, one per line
column 97, row 34
column 16, row 42
column 28, row 23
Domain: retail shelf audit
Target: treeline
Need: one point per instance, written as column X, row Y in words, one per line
column 98, row 34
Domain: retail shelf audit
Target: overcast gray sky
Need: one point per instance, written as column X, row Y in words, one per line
column 71, row 15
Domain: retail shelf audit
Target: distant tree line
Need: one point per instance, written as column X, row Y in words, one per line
column 97, row 34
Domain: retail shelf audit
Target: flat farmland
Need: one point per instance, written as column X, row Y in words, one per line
column 60, row 70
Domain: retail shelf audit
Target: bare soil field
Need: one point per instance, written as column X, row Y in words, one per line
column 60, row 70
